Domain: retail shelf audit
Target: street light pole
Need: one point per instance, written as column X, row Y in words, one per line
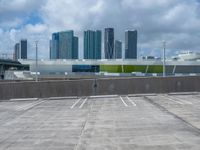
column 164, row 58
column 36, row 61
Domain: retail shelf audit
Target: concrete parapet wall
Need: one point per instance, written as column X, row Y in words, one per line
column 89, row 87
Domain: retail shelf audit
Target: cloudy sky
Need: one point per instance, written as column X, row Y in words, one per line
column 175, row 21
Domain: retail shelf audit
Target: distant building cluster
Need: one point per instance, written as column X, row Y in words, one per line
column 20, row 50
column 64, row 45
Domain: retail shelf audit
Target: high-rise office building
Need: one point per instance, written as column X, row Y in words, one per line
column 98, row 42
column 64, row 45
column 50, row 48
column 20, row 50
column 118, row 49
column 89, row 44
column 23, row 48
column 54, row 46
column 109, row 43
column 17, row 51
column 92, row 44
column 131, row 44
column 75, row 48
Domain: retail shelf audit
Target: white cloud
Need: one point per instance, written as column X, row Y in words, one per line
column 176, row 21
column 72, row 14
column 19, row 6
column 13, row 13
column 32, row 33
column 11, row 23
column 36, row 29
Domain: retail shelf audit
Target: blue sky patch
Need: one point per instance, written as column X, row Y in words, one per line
column 34, row 18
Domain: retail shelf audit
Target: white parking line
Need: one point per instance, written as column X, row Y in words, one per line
column 183, row 101
column 104, row 96
column 75, row 103
column 28, row 106
column 178, row 102
column 130, row 100
column 83, row 103
column 123, row 102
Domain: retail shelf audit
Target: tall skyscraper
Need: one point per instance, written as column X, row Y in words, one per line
column 50, row 48
column 64, row 45
column 89, row 44
column 131, row 44
column 118, row 49
column 17, row 51
column 66, row 39
column 92, row 44
column 21, row 49
column 54, row 46
column 75, row 48
column 109, row 43
column 98, row 42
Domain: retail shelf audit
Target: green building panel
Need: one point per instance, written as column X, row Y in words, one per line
column 111, row 68
column 130, row 68
column 155, row 69
column 122, row 68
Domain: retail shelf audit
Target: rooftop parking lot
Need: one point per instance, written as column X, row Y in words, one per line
column 126, row 122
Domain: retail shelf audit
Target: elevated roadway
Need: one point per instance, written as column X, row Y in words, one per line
column 7, row 64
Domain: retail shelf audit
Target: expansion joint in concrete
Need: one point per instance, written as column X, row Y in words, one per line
column 197, row 130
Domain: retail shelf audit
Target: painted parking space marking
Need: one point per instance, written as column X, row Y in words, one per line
column 123, row 102
column 178, row 102
column 131, row 101
column 76, row 102
column 29, row 106
column 85, row 100
column 104, row 96
column 183, row 101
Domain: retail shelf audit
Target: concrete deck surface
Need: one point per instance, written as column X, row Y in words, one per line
column 143, row 122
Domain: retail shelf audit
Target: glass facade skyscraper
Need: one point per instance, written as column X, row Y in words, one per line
column 89, row 44
column 75, row 48
column 23, row 49
column 131, row 44
column 64, row 45
column 118, row 49
column 54, row 48
column 92, row 44
column 98, row 42
column 17, row 51
column 109, row 43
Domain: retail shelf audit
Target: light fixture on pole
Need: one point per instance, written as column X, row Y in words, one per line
column 36, row 61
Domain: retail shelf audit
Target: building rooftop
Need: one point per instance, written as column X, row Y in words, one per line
column 127, row 122
column 109, row 62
